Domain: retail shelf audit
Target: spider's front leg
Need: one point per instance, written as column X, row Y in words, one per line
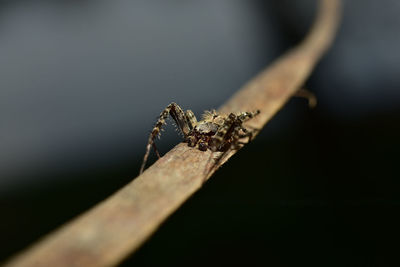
column 229, row 134
column 192, row 121
column 240, row 133
column 181, row 120
column 218, row 141
column 245, row 116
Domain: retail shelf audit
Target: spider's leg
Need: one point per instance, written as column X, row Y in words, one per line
column 218, row 160
column 191, row 119
column 218, row 140
column 229, row 135
column 192, row 122
column 180, row 118
column 178, row 115
column 230, row 126
column 223, row 132
column 247, row 133
column 245, row 116
column 155, row 150
column 242, row 117
column 234, row 143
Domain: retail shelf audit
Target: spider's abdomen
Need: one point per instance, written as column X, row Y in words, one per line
column 208, row 128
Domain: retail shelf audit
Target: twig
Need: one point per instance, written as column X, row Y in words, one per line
column 116, row 227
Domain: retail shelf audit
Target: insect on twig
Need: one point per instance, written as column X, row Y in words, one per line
column 216, row 132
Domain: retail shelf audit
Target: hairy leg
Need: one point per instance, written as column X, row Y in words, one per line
column 228, row 136
column 247, row 133
column 179, row 117
column 245, row 116
column 225, row 130
column 191, row 119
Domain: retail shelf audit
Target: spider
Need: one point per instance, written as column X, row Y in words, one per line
column 215, row 131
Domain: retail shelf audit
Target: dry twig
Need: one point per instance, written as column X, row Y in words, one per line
column 113, row 229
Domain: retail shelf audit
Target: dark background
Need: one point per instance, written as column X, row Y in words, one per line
column 82, row 82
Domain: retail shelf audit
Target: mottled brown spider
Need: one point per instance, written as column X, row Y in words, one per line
column 215, row 131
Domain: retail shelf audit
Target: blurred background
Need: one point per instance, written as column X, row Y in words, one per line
column 81, row 85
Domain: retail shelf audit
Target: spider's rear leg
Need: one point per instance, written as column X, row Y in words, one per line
column 246, row 132
column 245, row 116
column 179, row 117
column 249, row 133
